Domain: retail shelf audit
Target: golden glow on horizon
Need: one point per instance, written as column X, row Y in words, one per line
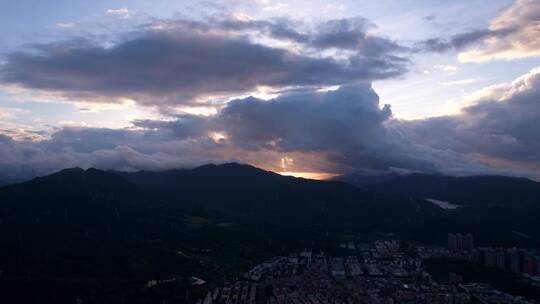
column 309, row 175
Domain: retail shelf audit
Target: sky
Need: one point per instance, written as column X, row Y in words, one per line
column 306, row 88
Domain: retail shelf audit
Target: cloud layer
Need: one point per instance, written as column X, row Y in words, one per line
column 499, row 128
column 339, row 131
column 329, row 131
column 513, row 34
column 326, row 131
column 176, row 62
column 326, row 117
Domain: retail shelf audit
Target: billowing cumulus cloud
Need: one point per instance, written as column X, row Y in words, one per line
column 316, row 131
column 327, row 115
column 348, row 127
column 499, row 128
column 176, row 62
column 157, row 149
column 513, row 34
column 103, row 148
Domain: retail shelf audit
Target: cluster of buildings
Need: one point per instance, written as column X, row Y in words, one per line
column 485, row 294
column 320, row 279
column 459, row 242
column 515, row 260
column 238, row 292
column 313, row 286
column 387, row 248
column 378, row 273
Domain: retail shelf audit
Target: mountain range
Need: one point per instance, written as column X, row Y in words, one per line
column 103, row 234
column 467, row 190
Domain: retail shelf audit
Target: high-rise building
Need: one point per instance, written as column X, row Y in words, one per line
column 501, row 259
column 455, row 278
column 459, row 241
column 515, row 261
column 476, row 256
column 468, row 242
column 529, row 264
column 537, row 258
column 452, row 242
column 490, row 257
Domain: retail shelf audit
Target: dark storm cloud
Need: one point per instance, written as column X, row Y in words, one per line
column 175, row 62
column 328, row 115
column 346, row 125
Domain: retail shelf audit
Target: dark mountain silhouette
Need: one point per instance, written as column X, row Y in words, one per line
column 468, row 190
column 74, row 183
column 238, row 187
column 102, row 235
column 364, row 180
column 232, row 189
column 86, row 234
column 245, row 190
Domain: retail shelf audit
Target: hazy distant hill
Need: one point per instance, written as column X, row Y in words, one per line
column 470, row 190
